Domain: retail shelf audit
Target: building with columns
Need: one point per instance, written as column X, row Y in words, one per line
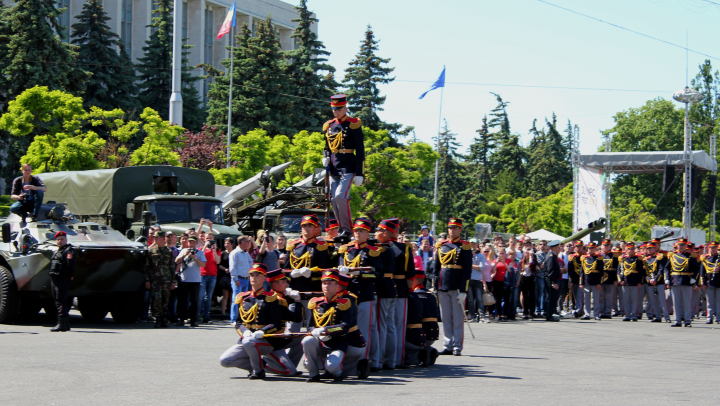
column 201, row 22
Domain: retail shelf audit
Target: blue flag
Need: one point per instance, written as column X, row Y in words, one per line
column 438, row 83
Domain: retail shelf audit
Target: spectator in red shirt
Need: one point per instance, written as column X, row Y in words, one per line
column 208, row 276
column 500, row 266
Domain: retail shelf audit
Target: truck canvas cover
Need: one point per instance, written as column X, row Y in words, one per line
column 107, row 191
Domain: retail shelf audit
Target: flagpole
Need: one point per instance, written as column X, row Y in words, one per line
column 437, row 144
column 232, row 60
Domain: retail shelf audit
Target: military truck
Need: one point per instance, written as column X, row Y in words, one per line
column 287, row 221
column 109, row 275
column 175, row 198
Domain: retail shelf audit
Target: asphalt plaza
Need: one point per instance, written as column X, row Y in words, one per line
column 530, row 363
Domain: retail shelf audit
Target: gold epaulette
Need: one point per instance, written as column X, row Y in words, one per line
column 314, row 301
column 327, row 125
column 321, row 245
column 375, row 251
column 693, row 255
column 466, row 245
column 439, row 243
column 343, row 248
column 616, row 255
column 271, row 298
column 239, row 298
column 282, row 301
column 702, row 257
column 290, row 245
column 355, row 123
column 660, row 255
column 343, row 304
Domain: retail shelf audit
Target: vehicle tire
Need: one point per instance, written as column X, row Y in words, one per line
column 29, row 307
column 9, row 297
column 125, row 308
column 93, row 309
column 48, row 305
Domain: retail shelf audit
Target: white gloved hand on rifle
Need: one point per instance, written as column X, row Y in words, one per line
column 692, row 281
column 305, row 271
column 358, row 180
column 326, row 162
column 247, row 334
column 292, row 294
column 318, row 332
column 343, row 269
column 461, row 298
column 296, row 273
column 258, row 334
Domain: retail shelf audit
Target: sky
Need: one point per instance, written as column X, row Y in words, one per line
column 538, row 57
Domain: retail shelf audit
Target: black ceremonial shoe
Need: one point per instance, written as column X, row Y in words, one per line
column 315, row 378
column 362, row 369
column 456, row 353
column 656, row 321
column 257, row 375
column 433, row 356
column 709, row 321
column 688, row 325
column 402, row 366
column 343, row 237
column 338, row 378
column 446, row 351
column 676, row 324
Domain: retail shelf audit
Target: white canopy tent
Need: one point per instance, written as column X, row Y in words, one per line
column 544, row 234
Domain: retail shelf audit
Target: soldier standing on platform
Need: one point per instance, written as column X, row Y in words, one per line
column 453, row 267
column 656, row 264
column 344, row 159
column 681, row 276
column 360, row 253
column 711, row 279
column 609, row 280
column 591, row 280
column 160, row 277
column 632, row 273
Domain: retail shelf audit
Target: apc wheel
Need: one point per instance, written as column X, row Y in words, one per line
column 93, row 309
column 9, row 298
column 126, row 307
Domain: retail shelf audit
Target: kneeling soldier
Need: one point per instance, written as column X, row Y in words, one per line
column 291, row 309
column 260, row 314
column 335, row 340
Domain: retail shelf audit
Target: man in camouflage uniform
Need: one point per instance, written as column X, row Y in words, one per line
column 160, row 277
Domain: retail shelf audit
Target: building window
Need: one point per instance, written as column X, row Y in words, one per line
column 64, row 18
column 153, row 7
column 126, row 25
column 209, row 31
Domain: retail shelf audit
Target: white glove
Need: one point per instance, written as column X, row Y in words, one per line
column 461, row 298
column 692, row 281
column 292, row 293
column 326, row 162
column 305, row 271
column 343, row 269
column 258, row 334
column 358, row 180
column 295, row 273
column 317, row 332
column 247, row 334
column 325, row 338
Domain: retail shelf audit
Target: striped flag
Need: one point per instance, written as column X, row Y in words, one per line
column 228, row 23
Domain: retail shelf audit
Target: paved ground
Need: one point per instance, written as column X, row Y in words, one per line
column 529, row 363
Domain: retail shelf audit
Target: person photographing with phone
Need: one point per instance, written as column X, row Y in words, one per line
column 191, row 260
column 208, row 275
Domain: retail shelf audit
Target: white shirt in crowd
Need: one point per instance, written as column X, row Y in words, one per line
column 240, row 263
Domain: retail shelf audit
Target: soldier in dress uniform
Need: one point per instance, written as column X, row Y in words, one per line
column 403, row 273
column 414, row 334
column 593, row 267
column 453, row 267
column 609, row 280
column 427, row 354
column 387, row 297
column 711, row 279
column 260, row 313
column 292, row 311
column 681, row 276
column 62, row 272
column 160, row 277
column 344, row 158
column 361, row 253
column 332, row 229
column 655, row 269
column 632, row 273
column 335, row 341
column 697, row 289
column 574, row 274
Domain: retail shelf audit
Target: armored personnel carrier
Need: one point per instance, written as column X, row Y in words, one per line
column 109, row 275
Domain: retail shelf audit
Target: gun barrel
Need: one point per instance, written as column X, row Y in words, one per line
column 666, row 235
column 594, row 226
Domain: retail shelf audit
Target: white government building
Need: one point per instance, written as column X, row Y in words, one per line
column 201, row 22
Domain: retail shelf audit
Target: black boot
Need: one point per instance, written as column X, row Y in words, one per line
column 66, row 324
column 158, row 322
column 163, row 322
column 343, row 237
column 362, row 369
column 59, row 326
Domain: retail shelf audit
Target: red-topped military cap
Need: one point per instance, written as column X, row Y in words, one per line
column 60, row 234
column 630, row 244
column 390, row 224
column 363, row 224
column 578, row 243
column 330, row 275
column 651, row 244
column 259, row 268
column 454, row 221
column 617, row 250
column 310, row 219
column 276, row 275
column 338, row 101
column 682, row 241
column 333, row 223
column 713, row 244
column 343, row 280
column 591, row 244
column 606, row 242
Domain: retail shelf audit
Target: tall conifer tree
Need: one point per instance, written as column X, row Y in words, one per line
column 112, row 84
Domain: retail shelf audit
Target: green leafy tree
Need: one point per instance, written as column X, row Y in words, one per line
column 311, row 77
column 155, row 68
column 161, row 141
column 548, row 160
column 508, row 154
column 112, row 84
column 450, row 179
column 260, row 84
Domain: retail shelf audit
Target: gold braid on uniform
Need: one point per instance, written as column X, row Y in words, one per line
column 325, row 318
column 447, row 258
column 678, row 266
column 299, row 262
column 334, row 141
column 589, row 269
column 354, row 263
column 629, row 268
column 709, row 266
column 248, row 315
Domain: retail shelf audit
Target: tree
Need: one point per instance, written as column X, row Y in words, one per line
column 311, row 77
column 507, row 155
column 363, row 76
column 204, row 149
column 524, row 215
column 450, row 179
column 161, row 142
column 548, row 160
column 260, row 84
column 155, row 69
column 112, row 84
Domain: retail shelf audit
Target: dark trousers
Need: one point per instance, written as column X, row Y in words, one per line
column 508, row 302
column 188, row 293
column 498, row 292
column 563, row 290
column 527, row 288
column 60, row 287
column 21, row 208
column 551, row 298
column 475, row 299
column 490, row 309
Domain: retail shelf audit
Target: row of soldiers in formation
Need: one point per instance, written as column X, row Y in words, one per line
column 650, row 272
column 367, row 306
